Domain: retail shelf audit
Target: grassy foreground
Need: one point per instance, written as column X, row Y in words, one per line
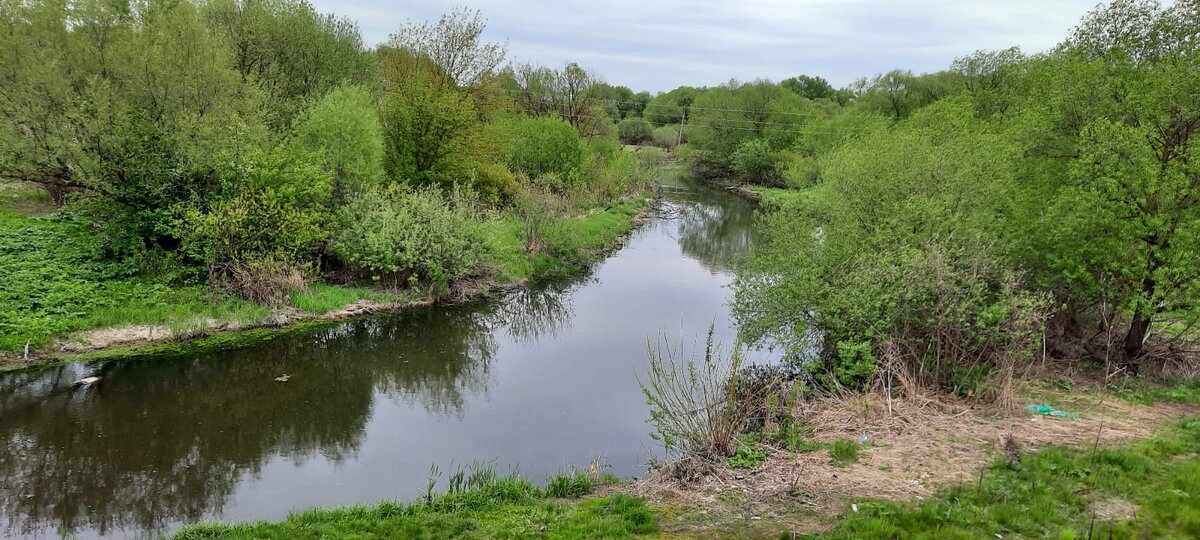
column 502, row 508
column 57, row 283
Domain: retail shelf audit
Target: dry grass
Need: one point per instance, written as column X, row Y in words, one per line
column 922, row 446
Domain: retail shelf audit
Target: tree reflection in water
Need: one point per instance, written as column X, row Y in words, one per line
column 167, row 440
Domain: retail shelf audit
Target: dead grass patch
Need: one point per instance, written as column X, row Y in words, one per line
column 922, row 446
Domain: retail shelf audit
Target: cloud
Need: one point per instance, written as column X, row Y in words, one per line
column 660, row 44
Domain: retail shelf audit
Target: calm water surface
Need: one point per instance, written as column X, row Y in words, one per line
column 538, row 379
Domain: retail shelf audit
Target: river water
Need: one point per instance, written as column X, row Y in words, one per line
column 538, row 380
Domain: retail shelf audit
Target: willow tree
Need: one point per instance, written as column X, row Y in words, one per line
column 1118, row 183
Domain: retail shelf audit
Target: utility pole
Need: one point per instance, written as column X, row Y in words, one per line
column 682, row 119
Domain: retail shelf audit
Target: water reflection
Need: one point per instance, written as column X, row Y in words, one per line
column 540, row 378
column 714, row 228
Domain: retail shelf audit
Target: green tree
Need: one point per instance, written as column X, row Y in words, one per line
column 293, row 53
column 809, row 87
column 344, row 129
column 1113, row 218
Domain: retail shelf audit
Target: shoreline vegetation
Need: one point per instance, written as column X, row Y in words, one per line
column 984, row 279
column 595, row 234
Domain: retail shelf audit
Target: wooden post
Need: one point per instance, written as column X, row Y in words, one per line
column 682, row 119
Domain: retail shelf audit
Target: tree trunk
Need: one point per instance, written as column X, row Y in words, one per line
column 1136, row 337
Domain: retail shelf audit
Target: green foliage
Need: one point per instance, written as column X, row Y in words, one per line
column 667, row 136
column 55, row 283
column 843, row 451
column 569, row 486
column 408, row 236
column 728, row 116
column 429, row 126
column 809, row 87
column 497, row 508
column 746, row 457
column 1185, row 391
column 670, row 107
column 344, row 129
column 546, row 146
column 1053, row 495
column 894, row 253
column 635, row 130
column 494, row 183
column 754, row 162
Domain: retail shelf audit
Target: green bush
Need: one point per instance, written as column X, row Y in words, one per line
column 635, row 130
column 494, row 183
column 754, row 162
column 542, row 146
column 667, row 136
column 409, row 236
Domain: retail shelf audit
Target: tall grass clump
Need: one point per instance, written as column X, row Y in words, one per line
column 694, row 404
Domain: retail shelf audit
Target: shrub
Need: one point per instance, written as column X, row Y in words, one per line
column 409, row 236
column 265, row 280
column 494, row 183
column 667, row 136
column 693, row 405
column 635, row 130
column 541, row 146
column 344, row 129
column 754, row 162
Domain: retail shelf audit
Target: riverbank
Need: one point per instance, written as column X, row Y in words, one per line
column 1118, row 463
column 85, row 308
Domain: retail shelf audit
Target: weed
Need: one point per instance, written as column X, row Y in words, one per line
column 569, row 486
column 843, row 451
column 746, row 457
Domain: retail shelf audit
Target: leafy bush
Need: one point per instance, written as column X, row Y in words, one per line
column 746, row 457
column 667, row 136
column 693, row 404
column 754, row 162
column 409, row 236
column 893, row 258
column 494, row 183
column 541, row 146
column 635, row 130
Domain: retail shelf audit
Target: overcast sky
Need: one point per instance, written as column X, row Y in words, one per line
column 661, row 44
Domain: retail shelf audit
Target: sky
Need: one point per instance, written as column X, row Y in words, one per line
column 657, row 45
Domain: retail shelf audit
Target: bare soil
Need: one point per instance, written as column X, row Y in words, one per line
column 911, row 453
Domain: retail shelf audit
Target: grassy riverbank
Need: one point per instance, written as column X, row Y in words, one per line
column 63, row 296
column 500, row 508
column 1081, row 487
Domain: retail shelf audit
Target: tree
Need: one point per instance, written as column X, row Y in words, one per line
column 810, row 87
column 289, row 50
column 991, row 77
column 344, row 129
column 571, row 93
column 454, row 44
column 670, row 107
column 1117, row 183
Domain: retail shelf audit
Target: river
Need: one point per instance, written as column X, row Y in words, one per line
column 536, row 380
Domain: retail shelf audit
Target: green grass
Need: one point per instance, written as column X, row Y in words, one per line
column 1185, row 391
column 503, row 508
column 54, row 284
column 842, row 452
column 320, row 298
column 572, row 243
column 569, row 486
column 1052, row 496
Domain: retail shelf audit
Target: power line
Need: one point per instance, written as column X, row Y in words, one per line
column 568, row 117
column 692, row 107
